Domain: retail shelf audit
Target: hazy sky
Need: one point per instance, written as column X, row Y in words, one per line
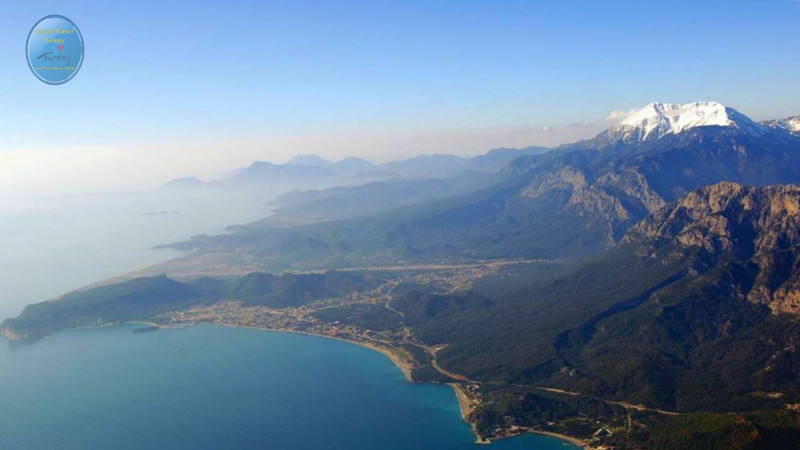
column 198, row 88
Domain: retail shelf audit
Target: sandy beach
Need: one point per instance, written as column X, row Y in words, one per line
column 397, row 356
column 466, row 409
column 575, row 441
column 463, row 401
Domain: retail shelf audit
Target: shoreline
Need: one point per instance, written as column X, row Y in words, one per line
column 464, row 405
column 403, row 364
column 572, row 440
column 466, row 409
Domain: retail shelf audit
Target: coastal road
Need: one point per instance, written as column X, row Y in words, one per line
column 433, row 352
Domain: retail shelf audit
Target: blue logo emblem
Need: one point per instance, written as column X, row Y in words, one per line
column 54, row 49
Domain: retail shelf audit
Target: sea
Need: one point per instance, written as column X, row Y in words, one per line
column 55, row 244
column 216, row 387
column 205, row 387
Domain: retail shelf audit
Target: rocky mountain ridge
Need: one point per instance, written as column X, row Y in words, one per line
column 758, row 225
column 572, row 201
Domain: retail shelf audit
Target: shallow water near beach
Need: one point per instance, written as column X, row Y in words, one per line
column 212, row 387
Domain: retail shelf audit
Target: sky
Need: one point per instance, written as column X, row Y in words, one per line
column 177, row 88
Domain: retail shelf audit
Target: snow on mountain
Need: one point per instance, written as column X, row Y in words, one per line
column 792, row 124
column 660, row 119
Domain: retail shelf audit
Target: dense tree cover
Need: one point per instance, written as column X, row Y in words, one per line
column 512, row 337
column 694, row 323
column 701, row 431
column 545, row 411
column 622, row 327
column 136, row 299
column 279, row 291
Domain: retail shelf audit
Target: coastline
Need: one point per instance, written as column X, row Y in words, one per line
column 161, row 326
column 465, row 406
column 572, row 440
column 398, row 357
column 392, row 353
column 466, row 409
column 405, row 366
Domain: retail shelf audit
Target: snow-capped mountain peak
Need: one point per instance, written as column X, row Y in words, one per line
column 660, row 119
column 792, row 124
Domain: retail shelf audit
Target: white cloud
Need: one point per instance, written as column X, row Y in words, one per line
column 619, row 114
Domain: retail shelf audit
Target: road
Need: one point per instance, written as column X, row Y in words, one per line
column 433, row 351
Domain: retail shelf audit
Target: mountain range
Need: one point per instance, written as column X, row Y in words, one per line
column 304, row 172
column 646, row 281
column 695, row 310
column 696, row 287
column 572, row 201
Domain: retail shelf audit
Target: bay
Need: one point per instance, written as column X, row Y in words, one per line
column 213, row 387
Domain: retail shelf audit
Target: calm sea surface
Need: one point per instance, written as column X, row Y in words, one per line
column 210, row 387
column 49, row 246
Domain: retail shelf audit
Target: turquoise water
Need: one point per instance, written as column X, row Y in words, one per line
column 210, row 387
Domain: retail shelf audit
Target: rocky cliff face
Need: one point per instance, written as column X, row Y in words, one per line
column 614, row 200
column 757, row 226
column 655, row 157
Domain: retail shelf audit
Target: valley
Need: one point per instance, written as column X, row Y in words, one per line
column 624, row 291
column 448, row 225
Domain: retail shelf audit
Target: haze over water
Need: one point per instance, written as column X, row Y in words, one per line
column 204, row 387
column 51, row 245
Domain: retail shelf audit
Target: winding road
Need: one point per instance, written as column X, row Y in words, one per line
column 433, row 352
